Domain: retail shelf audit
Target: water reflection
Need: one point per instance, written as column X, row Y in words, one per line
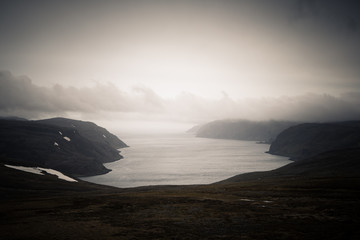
column 185, row 159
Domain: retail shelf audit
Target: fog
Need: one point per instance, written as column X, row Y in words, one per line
column 143, row 110
column 159, row 64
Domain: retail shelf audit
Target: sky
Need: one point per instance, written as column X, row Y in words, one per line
column 163, row 64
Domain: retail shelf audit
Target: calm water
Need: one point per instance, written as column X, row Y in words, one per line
column 185, row 159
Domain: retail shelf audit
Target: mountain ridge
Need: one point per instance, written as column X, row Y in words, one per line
column 88, row 129
column 309, row 139
column 66, row 149
column 239, row 129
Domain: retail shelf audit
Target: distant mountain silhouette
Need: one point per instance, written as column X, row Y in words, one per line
column 307, row 140
column 13, row 118
column 194, row 129
column 265, row 131
column 78, row 150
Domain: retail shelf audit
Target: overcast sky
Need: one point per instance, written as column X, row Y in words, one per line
column 188, row 62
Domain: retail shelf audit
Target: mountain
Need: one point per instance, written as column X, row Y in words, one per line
column 13, row 118
column 337, row 164
column 71, row 150
column 265, row 131
column 307, row 140
column 89, row 130
column 194, row 129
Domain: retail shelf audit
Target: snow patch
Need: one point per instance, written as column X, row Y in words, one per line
column 67, row 139
column 104, row 136
column 56, row 144
column 60, row 133
column 26, row 169
column 58, row 174
column 40, row 171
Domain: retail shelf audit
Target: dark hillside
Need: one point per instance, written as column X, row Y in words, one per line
column 89, row 130
column 333, row 164
column 64, row 149
column 307, row 140
column 289, row 204
column 18, row 184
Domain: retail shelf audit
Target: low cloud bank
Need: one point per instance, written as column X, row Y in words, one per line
column 20, row 97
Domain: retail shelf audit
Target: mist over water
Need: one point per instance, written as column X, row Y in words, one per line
column 181, row 159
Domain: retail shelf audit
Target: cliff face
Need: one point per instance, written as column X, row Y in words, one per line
column 243, row 130
column 307, row 140
column 77, row 151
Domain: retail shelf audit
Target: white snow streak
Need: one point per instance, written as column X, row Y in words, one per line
column 39, row 171
column 67, row 139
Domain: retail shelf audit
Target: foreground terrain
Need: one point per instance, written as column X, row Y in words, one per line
column 312, row 198
column 269, row 207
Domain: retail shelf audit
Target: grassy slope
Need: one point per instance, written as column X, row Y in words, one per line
column 247, row 210
column 280, row 206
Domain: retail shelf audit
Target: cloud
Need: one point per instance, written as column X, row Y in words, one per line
column 312, row 107
column 20, row 97
column 307, row 108
column 288, row 46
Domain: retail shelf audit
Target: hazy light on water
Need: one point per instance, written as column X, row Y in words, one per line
column 184, row 159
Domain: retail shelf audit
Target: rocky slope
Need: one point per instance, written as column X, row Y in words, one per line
column 307, row 140
column 77, row 151
column 264, row 131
